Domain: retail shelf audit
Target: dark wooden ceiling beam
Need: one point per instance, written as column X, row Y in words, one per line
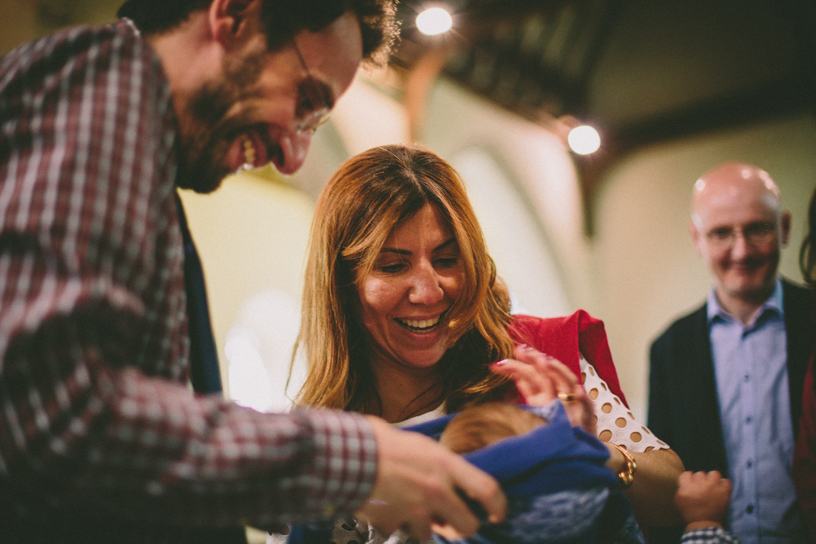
column 773, row 100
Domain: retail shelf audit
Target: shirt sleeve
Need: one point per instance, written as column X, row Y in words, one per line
column 804, row 456
column 94, row 407
column 708, row 535
column 615, row 423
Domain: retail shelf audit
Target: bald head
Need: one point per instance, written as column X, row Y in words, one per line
column 738, row 227
column 733, row 181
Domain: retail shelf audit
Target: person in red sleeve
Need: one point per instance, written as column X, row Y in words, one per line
column 804, row 456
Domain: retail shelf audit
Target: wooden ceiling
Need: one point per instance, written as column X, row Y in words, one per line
column 530, row 57
column 640, row 71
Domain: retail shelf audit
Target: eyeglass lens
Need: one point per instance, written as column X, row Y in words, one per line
column 316, row 108
column 754, row 233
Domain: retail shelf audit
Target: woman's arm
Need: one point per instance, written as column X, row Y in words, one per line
column 653, row 486
column 658, row 467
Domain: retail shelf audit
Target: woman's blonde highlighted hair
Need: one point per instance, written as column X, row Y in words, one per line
column 364, row 201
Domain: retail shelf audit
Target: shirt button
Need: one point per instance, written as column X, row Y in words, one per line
column 746, row 378
column 749, row 464
column 750, row 509
column 748, row 420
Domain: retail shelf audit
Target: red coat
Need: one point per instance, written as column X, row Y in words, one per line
column 566, row 338
column 804, row 456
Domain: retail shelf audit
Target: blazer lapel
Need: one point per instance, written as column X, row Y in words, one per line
column 703, row 400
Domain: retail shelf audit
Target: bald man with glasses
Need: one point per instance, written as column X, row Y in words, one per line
column 726, row 380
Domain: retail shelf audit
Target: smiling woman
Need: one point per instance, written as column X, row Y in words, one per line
column 404, row 318
column 384, row 305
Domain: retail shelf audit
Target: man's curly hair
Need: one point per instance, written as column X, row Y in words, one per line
column 282, row 19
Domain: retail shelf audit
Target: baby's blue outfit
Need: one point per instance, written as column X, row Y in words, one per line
column 558, row 488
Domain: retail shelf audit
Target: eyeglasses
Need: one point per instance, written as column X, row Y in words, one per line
column 314, row 101
column 755, row 234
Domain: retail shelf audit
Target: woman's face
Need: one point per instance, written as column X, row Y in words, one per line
column 416, row 279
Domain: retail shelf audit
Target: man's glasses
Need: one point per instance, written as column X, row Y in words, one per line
column 755, row 234
column 314, row 101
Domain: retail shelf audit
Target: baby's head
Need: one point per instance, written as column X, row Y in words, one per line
column 477, row 426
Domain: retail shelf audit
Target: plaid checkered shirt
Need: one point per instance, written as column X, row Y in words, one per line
column 97, row 425
column 709, row 535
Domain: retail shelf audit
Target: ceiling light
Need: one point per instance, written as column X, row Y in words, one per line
column 584, row 140
column 434, row 21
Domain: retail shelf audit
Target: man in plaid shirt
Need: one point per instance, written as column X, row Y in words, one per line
column 100, row 439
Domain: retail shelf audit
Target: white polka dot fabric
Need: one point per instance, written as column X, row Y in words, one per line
column 615, row 423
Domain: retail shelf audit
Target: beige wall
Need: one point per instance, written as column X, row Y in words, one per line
column 24, row 19
column 251, row 235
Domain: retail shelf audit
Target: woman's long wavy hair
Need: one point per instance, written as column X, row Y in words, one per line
column 366, row 199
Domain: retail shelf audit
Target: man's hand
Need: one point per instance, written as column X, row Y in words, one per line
column 417, row 485
column 702, row 498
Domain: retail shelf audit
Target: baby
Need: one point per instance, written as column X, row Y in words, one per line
column 553, row 473
column 478, row 426
column 586, row 514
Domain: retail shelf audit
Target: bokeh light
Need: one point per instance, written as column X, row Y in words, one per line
column 434, row 21
column 584, row 140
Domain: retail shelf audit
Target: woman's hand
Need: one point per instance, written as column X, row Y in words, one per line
column 540, row 379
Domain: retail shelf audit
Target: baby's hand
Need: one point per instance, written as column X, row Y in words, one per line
column 702, row 498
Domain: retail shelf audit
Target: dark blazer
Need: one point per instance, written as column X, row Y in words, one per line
column 683, row 408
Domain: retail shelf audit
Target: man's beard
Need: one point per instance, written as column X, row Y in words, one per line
column 206, row 135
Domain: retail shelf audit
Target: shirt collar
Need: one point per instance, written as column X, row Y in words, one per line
column 125, row 21
column 774, row 304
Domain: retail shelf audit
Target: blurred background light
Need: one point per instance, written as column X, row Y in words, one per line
column 434, row 21
column 584, row 140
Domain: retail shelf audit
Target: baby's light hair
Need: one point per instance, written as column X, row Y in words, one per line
column 478, row 426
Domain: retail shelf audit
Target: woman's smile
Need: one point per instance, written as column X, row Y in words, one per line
column 419, row 325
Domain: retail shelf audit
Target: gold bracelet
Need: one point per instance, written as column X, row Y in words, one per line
column 627, row 475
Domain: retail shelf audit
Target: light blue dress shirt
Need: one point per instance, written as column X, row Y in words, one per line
column 754, row 398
